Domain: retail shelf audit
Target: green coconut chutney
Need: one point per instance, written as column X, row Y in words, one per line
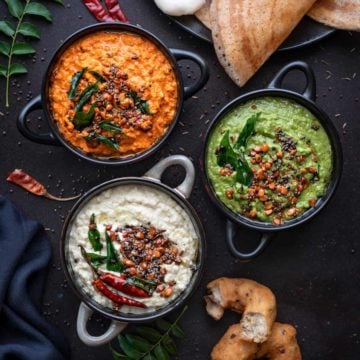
column 288, row 154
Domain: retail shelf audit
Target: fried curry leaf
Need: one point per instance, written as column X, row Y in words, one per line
column 140, row 103
column 96, row 259
column 113, row 262
column 154, row 342
column 144, row 108
column 97, row 76
column 83, row 119
column 89, row 91
column 227, row 155
column 134, row 95
column 108, row 126
column 94, row 234
column 109, row 142
column 247, row 131
column 74, row 83
column 244, row 175
column 139, row 283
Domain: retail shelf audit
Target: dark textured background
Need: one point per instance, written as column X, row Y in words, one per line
column 313, row 270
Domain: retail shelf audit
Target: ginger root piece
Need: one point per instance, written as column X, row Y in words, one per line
column 256, row 302
column 281, row 345
column 232, row 347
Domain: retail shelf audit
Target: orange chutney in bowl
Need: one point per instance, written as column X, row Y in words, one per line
column 113, row 94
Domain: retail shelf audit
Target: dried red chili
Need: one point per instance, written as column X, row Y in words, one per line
column 116, row 298
column 27, row 182
column 115, row 10
column 119, row 283
column 98, row 11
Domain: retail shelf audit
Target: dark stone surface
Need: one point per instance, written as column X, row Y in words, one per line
column 313, row 269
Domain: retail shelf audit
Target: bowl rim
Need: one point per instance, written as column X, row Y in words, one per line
column 337, row 159
column 196, row 276
column 111, row 27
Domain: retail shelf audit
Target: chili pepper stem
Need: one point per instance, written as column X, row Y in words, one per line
column 93, row 268
column 52, row 197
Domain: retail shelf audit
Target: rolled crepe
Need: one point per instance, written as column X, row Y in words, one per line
column 245, row 33
column 341, row 14
column 204, row 14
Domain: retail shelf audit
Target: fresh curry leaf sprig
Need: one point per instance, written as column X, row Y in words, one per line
column 234, row 155
column 149, row 343
column 20, row 10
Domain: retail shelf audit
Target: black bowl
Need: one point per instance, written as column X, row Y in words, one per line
column 306, row 99
column 179, row 195
column 54, row 137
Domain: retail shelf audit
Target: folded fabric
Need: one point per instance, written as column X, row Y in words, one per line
column 25, row 253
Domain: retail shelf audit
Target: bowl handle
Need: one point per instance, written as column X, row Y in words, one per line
column 310, row 89
column 114, row 329
column 204, row 70
column 47, row 138
column 231, row 232
column 187, row 185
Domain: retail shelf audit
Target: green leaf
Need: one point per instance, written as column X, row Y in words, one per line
column 227, row 155
column 83, row 119
column 128, row 349
column 15, row 7
column 7, row 28
column 144, row 108
column 134, row 282
column 23, row 49
column 148, row 333
column 60, row 2
column 107, row 141
column 3, row 71
column 163, row 324
column 149, row 357
column 247, row 131
column 138, row 343
column 178, row 332
column 4, row 48
column 117, row 356
column 38, row 9
column 94, row 234
column 108, row 126
column 16, row 69
column 169, row 345
column 161, row 353
column 74, row 82
column 97, row 76
column 89, row 91
column 29, row 30
column 244, row 175
column 112, row 261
